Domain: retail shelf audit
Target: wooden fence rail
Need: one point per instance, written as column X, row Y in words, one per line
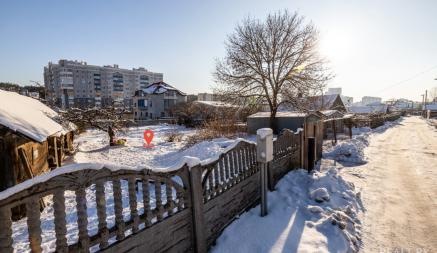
column 184, row 210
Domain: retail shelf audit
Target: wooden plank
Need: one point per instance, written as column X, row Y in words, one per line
column 197, row 208
column 6, row 230
column 28, row 169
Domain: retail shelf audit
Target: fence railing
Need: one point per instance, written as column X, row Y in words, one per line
column 119, row 210
column 375, row 120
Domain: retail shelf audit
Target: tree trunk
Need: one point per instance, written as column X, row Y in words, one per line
column 111, row 136
column 273, row 122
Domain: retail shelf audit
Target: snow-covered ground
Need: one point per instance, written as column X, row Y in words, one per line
column 307, row 213
column 93, row 148
column 399, row 185
column 316, row 212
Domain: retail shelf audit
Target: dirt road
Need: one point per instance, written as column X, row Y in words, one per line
column 399, row 189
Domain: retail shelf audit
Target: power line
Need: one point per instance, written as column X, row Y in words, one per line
column 407, row 79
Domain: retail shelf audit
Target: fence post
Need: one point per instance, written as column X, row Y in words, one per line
column 264, row 154
column 197, row 208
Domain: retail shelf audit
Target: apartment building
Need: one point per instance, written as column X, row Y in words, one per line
column 77, row 84
column 156, row 101
column 367, row 100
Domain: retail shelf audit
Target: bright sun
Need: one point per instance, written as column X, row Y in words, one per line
column 336, row 45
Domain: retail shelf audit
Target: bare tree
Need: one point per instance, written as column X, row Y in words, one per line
column 108, row 119
column 273, row 62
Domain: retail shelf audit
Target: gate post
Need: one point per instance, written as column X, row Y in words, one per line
column 264, row 154
column 197, row 209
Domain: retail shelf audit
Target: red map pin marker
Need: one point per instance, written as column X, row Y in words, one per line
column 148, row 136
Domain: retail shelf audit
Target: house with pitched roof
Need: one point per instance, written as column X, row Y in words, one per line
column 156, row 100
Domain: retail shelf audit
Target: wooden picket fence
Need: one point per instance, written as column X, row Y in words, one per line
column 375, row 121
column 184, row 210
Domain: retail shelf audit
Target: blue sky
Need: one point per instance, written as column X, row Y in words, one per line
column 371, row 45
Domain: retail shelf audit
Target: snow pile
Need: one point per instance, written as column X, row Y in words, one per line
column 27, row 116
column 200, row 153
column 296, row 222
column 352, row 150
column 349, row 150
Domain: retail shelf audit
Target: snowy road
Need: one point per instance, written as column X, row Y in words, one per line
column 399, row 189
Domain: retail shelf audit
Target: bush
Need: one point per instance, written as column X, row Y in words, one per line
column 218, row 128
column 173, row 137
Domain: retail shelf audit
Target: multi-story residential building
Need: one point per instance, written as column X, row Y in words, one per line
column 156, row 101
column 366, row 100
column 206, row 97
column 74, row 83
column 333, row 91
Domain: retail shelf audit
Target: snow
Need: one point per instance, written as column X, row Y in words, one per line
column 307, row 212
column 159, row 88
column 264, row 132
column 279, row 114
column 297, row 223
column 162, row 155
column 317, row 212
column 214, row 103
column 432, row 107
column 371, row 108
column 27, row 116
column 352, row 150
column 95, row 154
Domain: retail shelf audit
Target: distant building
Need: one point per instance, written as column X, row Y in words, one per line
column 206, row 97
column 368, row 109
column 366, row 100
column 74, row 83
column 402, row 104
column 326, row 102
column 191, row 98
column 156, row 101
column 333, row 91
column 316, row 103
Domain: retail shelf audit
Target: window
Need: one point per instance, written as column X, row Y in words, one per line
column 141, row 103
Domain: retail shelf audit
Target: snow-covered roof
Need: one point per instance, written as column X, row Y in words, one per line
column 371, row 108
column 279, row 114
column 432, row 107
column 27, row 116
column 328, row 113
column 323, row 102
column 214, row 103
column 159, row 88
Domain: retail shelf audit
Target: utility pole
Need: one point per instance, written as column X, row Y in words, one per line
column 426, row 97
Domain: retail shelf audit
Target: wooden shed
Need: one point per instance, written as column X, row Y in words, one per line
column 284, row 120
column 31, row 142
column 312, row 123
column 333, row 122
